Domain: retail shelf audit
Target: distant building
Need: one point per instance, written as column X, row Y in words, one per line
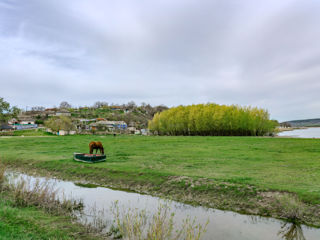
column 50, row 112
column 25, row 126
column 84, row 124
column 62, row 132
column 116, row 108
column 25, row 120
column 137, row 132
column 285, row 125
column 63, row 112
column 108, row 125
column 145, row 131
column 131, row 130
column 120, row 124
column 13, row 121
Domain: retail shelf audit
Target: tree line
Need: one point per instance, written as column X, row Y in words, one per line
column 213, row 120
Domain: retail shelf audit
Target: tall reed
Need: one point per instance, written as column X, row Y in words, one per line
column 43, row 195
column 134, row 224
column 2, row 175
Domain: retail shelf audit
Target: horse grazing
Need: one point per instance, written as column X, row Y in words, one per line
column 97, row 146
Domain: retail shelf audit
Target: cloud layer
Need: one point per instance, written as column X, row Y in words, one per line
column 259, row 53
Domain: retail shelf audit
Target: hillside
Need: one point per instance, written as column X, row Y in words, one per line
column 130, row 113
column 304, row 123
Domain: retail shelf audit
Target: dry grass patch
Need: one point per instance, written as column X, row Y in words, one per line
column 2, row 172
column 42, row 195
column 138, row 225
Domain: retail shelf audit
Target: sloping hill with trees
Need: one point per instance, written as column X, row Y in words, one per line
column 303, row 123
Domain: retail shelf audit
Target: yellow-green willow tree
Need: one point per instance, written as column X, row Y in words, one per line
column 212, row 120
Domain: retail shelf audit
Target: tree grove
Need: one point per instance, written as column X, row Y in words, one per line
column 213, row 120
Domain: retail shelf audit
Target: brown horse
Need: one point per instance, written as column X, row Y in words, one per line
column 97, row 146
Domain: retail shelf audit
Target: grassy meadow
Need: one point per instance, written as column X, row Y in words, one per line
column 283, row 164
column 32, row 223
column 36, row 213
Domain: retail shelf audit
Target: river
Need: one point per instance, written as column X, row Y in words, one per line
column 223, row 225
column 302, row 133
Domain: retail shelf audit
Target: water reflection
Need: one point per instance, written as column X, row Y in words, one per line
column 291, row 231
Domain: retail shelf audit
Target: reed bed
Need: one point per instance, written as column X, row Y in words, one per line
column 135, row 224
column 41, row 194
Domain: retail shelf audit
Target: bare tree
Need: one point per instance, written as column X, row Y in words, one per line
column 131, row 105
column 65, row 105
column 99, row 104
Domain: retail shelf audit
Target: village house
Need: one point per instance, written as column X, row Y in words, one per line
column 108, row 125
column 22, row 122
column 145, row 131
column 25, row 120
column 50, row 112
column 84, row 124
column 63, row 112
column 132, row 130
column 13, row 121
column 114, row 108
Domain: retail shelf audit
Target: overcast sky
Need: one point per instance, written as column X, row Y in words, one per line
column 249, row 52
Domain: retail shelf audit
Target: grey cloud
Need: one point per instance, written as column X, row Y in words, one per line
column 260, row 53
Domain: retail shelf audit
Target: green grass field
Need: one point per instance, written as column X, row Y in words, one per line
column 283, row 164
column 32, row 223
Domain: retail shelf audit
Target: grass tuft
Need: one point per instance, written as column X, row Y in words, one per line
column 291, row 207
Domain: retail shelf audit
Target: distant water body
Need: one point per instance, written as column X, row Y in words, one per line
column 302, row 133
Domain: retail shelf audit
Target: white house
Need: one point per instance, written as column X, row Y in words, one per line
column 144, row 131
column 63, row 112
column 13, row 121
column 131, row 129
column 62, row 132
column 26, row 120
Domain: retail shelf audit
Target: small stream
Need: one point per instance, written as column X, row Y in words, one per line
column 222, row 224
